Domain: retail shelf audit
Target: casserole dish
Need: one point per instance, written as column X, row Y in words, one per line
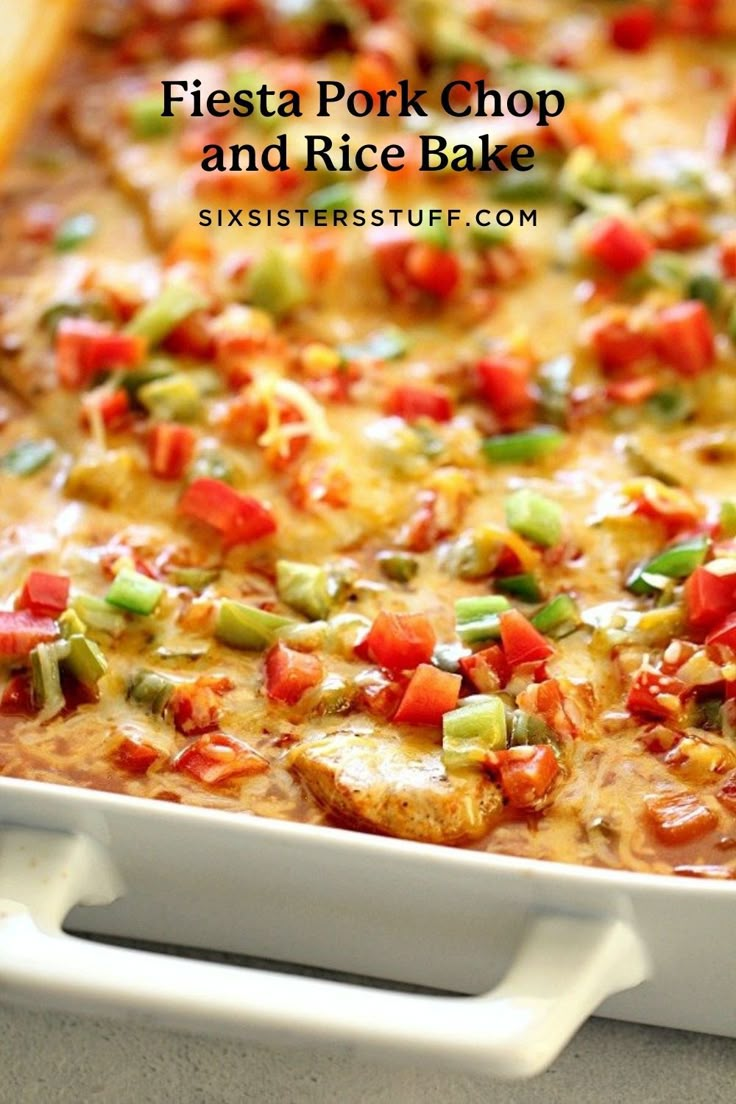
column 557, row 942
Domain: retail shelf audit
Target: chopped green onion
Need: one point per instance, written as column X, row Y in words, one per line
column 304, row 587
column 523, row 447
column 46, row 678
column 97, row 614
column 676, row 562
column 157, row 319
column 150, row 689
column 174, row 398
column 135, row 592
column 247, row 627
column 558, row 618
column 85, row 660
column 145, row 118
column 707, row 288
column 477, row 619
column 389, row 344
column 526, row 728
column 27, row 457
column 535, row 517
column 74, row 231
column 399, row 567
column 471, row 731
column 524, row 587
column 275, row 283
column 727, row 518
column 333, row 197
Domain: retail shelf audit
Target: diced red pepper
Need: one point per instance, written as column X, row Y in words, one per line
column 633, row 28
column 684, row 338
column 504, row 381
column 488, row 670
column 674, row 507
column 216, row 757
column 238, row 518
column 724, row 634
column 709, row 598
column 727, row 792
column 400, row 641
column 618, row 348
column 113, row 408
column 17, row 699
column 429, row 695
column 726, row 131
column 289, row 674
column 85, row 348
column 412, row 401
column 618, row 245
column 193, row 337
column 521, row 642
column 526, row 774
column 21, row 631
column 727, row 255
column 195, row 706
column 134, row 756
column 433, row 270
column 655, row 694
column 679, row 818
column 632, row 392
column 170, row 449
column 44, row 594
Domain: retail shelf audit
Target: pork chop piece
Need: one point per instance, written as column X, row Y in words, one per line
column 382, row 785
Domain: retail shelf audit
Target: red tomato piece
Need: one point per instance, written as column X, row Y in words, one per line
column 238, row 518
column 684, row 338
column 488, row 670
column 618, row 245
column 412, row 401
column 679, row 818
column 726, row 131
column 727, row 255
column 724, row 634
column 526, row 774
column 504, row 381
column 618, row 348
column 632, row 392
column 672, row 506
column 44, row 594
column 216, row 757
column 400, row 641
column 433, row 270
column 170, row 450
column 289, row 674
column 709, row 598
column 633, row 28
column 21, row 631
column 85, row 348
column 521, row 642
column 17, row 698
column 195, row 708
column 727, row 793
column 113, row 408
column 429, row 695
column 655, row 694
column 134, row 756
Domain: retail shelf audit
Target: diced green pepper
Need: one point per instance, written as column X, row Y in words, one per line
column 523, row 447
column 558, row 618
column 157, row 319
column 150, row 689
column 524, row 587
column 174, row 398
column 134, row 592
column 477, row 619
column 304, row 587
column 399, row 567
column 534, row 516
column 97, row 614
column 74, row 231
column 526, row 728
column 275, row 283
column 85, row 660
column 727, row 518
column 243, row 626
column 27, row 457
column 471, row 731
column 519, row 187
column 707, row 288
column 46, row 678
column 676, row 562
column 195, row 578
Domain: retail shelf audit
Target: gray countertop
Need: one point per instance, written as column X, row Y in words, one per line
column 52, row 1058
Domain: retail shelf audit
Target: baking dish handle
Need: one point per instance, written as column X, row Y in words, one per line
column 565, row 966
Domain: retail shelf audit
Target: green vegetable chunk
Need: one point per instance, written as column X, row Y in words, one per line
column 85, row 660
column 174, row 398
column 248, row 627
column 524, row 587
column 535, row 517
column 304, row 587
column 134, row 592
column 523, row 447
column 275, row 284
column 157, row 319
column 478, row 618
column 150, row 689
column 558, row 618
column 27, row 457
column 676, row 562
column 471, row 731
column 74, row 231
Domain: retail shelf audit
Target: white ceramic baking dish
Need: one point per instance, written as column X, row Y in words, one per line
column 540, row 946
